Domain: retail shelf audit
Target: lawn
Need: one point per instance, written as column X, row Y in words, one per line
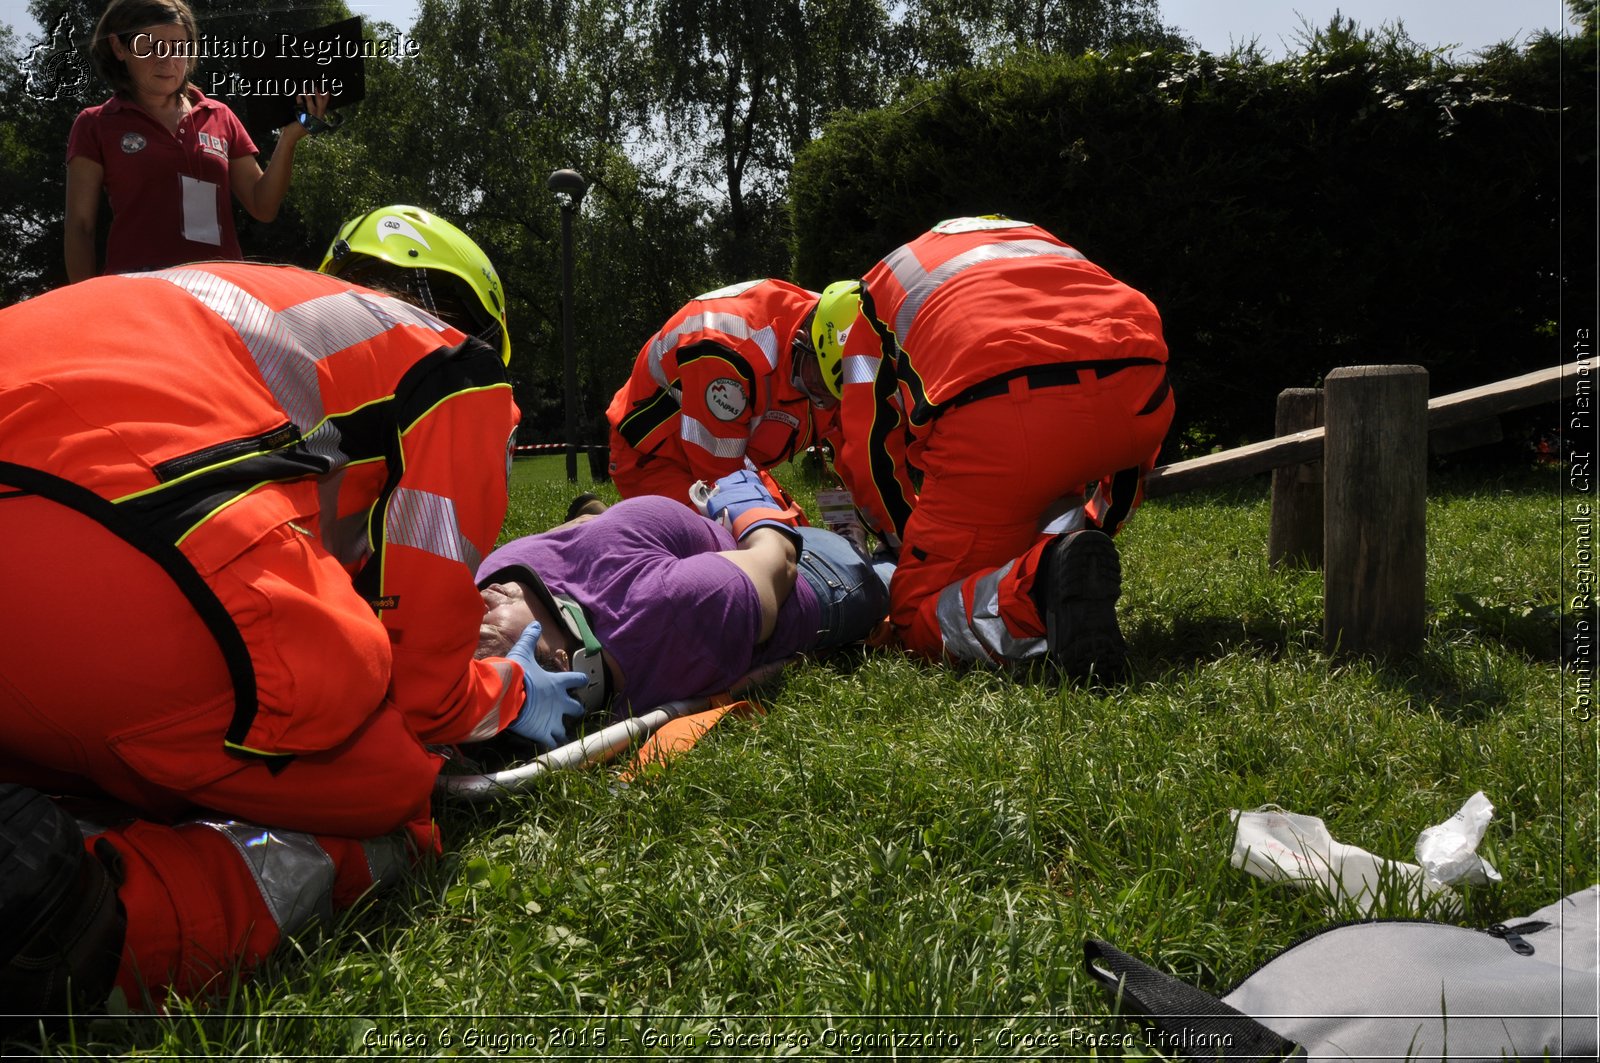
column 899, row 859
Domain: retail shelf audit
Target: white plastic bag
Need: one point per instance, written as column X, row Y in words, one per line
column 1276, row 845
column 1448, row 851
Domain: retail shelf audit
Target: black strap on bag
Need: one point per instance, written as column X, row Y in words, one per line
column 1185, row 1022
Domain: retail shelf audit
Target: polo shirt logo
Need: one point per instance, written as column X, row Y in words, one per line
column 132, row 142
column 214, row 145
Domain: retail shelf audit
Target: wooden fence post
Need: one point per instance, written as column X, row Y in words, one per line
column 1294, row 537
column 1376, row 454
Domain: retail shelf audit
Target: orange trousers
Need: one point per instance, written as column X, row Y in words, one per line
column 111, row 686
column 994, row 472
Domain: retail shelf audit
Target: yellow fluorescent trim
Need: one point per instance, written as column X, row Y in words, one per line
column 454, row 394
column 242, row 494
column 254, row 752
column 190, row 475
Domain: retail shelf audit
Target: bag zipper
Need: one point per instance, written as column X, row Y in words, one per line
column 1511, row 935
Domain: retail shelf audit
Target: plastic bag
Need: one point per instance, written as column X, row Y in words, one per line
column 1276, row 845
column 1448, row 851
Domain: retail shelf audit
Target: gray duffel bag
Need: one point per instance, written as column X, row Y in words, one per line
column 1385, row 988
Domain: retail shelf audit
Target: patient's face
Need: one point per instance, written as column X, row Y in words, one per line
column 506, row 613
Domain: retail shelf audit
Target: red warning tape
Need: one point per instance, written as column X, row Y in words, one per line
column 542, row 448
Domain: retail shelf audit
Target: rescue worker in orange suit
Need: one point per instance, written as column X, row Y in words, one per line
column 1014, row 374
column 730, row 382
column 279, row 485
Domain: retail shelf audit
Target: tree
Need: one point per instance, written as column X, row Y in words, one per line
column 497, row 96
column 43, row 85
column 1586, row 13
column 742, row 84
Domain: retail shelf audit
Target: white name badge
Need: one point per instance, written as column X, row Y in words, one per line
column 200, row 222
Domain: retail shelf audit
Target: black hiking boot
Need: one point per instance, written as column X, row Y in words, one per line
column 61, row 923
column 1083, row 580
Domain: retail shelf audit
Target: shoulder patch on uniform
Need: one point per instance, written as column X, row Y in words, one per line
column 725, row 398
column 132, row 142
column 975, row 225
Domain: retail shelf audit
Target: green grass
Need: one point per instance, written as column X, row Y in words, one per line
column 901, row 849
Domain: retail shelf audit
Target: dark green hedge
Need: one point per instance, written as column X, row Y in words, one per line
column 1362, row 204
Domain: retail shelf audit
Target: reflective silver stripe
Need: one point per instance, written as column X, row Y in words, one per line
column 979, row 224
column 861, row 368
column 729, row 292
column 959, row 641
column 766, row 338
column 730, row 324
column 659, row 346
column 346, row 538
column 427, row 521
column 287, row 345
column 1069, row 519
column 293, row 873
column 920, row 283
column 489, row 726
column 331, row 323
column 387, row 858
column 289, row 369
column 326, row 441
column 991, row 629
column 986, row 637
column 692, row 431
column 392, row 311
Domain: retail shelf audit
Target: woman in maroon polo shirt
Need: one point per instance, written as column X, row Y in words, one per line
column 166, row 155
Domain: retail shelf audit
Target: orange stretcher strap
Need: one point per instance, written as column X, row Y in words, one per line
column 678, row 735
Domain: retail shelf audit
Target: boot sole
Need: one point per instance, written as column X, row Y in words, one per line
column 1081, row 623
column 40, row 851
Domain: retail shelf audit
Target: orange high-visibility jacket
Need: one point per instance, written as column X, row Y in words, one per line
column 209, row 404
column 714, row 386
column 970, row 301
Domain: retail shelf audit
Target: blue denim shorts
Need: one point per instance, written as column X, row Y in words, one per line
column 850, row 594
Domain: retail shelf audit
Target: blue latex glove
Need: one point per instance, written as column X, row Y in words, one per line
column 549, row 704
column 741, row 503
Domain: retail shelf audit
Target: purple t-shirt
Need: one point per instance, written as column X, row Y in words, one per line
column 678, row 621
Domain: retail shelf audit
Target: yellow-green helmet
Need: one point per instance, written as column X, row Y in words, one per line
column 836, row 311
column 432, row 260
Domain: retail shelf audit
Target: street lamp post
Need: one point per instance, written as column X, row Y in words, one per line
column 571, row 185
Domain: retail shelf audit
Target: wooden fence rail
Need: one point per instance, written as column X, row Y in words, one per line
column 1447, row 411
